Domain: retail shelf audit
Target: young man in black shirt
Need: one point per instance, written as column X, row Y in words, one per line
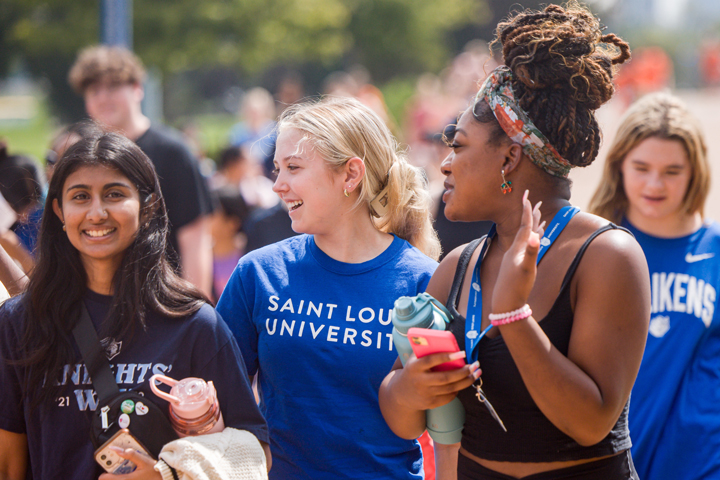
column 110, row 81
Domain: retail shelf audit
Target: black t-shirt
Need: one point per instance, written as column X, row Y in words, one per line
column 184, row 188
column 268, row 226
column 59, row 433
column 453, row 234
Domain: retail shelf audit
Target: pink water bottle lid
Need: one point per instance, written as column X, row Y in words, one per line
column 190, row 397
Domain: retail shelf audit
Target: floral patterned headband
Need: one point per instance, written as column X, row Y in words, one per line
column 497, row 91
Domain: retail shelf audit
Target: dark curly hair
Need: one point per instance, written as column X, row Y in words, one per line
column 562, row 71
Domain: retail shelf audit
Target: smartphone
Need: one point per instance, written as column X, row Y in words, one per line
column 426, row 342
column 111, row 461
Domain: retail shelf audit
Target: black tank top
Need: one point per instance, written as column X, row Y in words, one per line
column 530, row 436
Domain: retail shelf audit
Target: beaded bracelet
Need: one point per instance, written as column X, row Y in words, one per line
column 509, row 317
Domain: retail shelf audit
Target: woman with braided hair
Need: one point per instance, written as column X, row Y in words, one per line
column 555, row 345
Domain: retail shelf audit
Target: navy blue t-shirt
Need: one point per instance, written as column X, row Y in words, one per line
column 318, row 334
column 59, row 433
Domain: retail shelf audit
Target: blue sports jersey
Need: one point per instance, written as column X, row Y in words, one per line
column 319, row 335
column 673, row 387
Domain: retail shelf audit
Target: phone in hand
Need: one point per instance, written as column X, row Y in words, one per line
column 111, row 461
column 426, row 342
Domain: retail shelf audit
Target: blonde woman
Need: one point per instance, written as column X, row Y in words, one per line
column 655, row 183
column 312, row 313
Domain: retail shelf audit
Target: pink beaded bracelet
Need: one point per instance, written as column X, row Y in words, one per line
column 497, row 319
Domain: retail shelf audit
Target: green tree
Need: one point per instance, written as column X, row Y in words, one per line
column 390, row 37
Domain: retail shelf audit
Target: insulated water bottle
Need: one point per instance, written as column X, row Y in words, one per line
column 444, row 424
column 194, row 407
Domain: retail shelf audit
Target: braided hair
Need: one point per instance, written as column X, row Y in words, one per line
column 562, row 71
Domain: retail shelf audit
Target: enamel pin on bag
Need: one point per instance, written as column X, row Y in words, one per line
column 118, row 410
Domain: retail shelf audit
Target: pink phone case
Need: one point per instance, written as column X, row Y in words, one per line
column 426, row 342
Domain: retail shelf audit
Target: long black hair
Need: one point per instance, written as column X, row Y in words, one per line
column 144, row 281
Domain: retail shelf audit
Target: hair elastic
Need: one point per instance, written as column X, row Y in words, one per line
column 378, row 205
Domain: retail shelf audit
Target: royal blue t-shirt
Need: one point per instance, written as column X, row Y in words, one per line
column 318, row 334
column 59, row 434
column 678, row 379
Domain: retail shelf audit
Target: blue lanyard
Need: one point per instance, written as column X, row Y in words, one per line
column 474, row 308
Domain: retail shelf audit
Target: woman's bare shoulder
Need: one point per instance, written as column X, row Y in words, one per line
column 617, row 243
column 612, row 254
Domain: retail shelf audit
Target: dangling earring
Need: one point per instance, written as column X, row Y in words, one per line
column 64, row 228
column 506, row 186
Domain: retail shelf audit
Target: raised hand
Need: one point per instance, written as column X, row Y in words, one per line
column 519, row 268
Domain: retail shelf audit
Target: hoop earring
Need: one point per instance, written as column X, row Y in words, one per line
column 346, row 192
column 506, row 186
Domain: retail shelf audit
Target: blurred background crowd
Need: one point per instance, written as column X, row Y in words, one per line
column 221, row 71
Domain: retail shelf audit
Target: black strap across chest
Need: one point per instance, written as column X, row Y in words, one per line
column 94, row 356
column 453, row 300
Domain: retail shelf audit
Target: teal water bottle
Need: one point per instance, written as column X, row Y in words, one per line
column 444, row 424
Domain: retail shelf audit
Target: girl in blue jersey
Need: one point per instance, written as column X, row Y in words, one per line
column 103, row 243
column 559, row 344
column 655, row 182
column 312, row 313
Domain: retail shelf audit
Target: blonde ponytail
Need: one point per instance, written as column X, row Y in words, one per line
column 408, row 209
column 342, row 128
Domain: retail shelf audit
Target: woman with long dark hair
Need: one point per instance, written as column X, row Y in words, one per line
column 557, row 345
column 103, row 243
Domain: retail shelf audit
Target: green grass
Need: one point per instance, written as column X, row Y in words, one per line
column 30, row 137
column 33, row 137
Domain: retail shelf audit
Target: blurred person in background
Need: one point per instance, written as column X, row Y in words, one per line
column 195, row 140
column 268, row 225
column 437, row 102
column 466, row 73
column 62, row 140
column 356, row 83
column 290, row 91
column 12, row 276
column 710, row 62
column 110, row 81
column 655, row 183
column 23, row 186
column 255, row 132
column 237, row 170
column 228, row 220
column 12, row 279
column 651, row 70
